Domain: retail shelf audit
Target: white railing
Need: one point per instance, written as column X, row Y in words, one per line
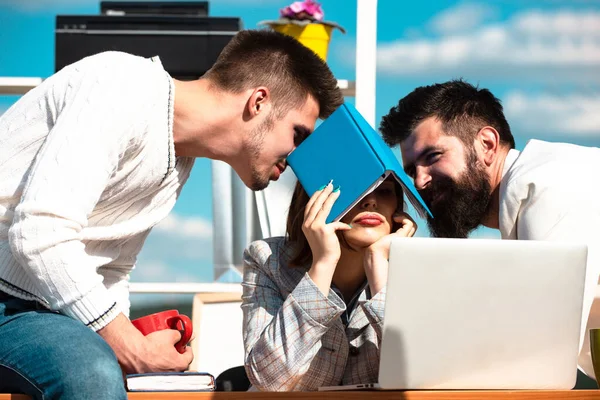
column 184, row 288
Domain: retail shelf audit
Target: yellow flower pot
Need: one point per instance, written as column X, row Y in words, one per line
column 315, row 36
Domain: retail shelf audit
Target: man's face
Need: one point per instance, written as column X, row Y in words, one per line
column 449, row 177
column 274, row 139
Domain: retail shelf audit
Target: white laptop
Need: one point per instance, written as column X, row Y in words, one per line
column 482, row 314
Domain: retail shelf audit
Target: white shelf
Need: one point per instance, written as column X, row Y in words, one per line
column 347, row 87
column 18, row 85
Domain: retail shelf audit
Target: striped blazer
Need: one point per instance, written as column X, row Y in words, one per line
column 294, row 337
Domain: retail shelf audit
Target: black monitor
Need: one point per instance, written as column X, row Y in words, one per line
column 190, row 8
column 187, row 47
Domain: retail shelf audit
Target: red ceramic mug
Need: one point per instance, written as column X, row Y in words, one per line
column 169, row 319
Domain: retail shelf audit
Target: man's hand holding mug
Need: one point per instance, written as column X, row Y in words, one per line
column 169, row 319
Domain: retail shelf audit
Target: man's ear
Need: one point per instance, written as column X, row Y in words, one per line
column 488, row 139
column 259, row 101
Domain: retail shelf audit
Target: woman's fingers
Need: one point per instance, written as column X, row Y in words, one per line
column 408, row 226
column 340, row 226
column 325, row 209
column 314, row 197
column 413, row 230
column 316, row 202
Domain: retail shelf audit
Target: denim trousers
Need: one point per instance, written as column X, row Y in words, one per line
column 49, row 356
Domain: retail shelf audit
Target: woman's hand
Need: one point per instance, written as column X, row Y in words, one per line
column 322, row 237
column 408, row 227
column 378, row 254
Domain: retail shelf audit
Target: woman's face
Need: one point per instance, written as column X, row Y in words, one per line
column 372, row 217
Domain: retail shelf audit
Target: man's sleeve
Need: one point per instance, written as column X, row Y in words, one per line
column 94, row 127
column 374, row 310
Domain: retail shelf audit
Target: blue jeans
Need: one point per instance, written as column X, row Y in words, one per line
column 51, row 356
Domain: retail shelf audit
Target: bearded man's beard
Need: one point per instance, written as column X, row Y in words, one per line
column 459, row 206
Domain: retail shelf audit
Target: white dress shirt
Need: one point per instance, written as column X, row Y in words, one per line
column 550, row 191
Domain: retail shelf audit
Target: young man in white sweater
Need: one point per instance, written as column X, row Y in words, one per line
column 91, row 160
column 457, row 146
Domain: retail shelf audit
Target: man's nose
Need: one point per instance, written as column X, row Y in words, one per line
column 422, row 178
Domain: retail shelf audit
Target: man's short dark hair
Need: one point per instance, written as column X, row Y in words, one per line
column 462, row 108
column 290, row 70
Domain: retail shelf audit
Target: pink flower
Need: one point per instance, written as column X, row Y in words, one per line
column 307, row 9
column 297, row 7
column 314, row 9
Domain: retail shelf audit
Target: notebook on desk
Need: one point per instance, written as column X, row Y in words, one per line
column 481, row 314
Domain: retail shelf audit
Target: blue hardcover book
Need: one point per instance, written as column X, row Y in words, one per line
column 348, row 150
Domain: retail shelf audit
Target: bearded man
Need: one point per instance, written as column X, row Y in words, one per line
column 457, row 146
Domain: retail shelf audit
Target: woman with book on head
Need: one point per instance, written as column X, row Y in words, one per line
column 313, row 301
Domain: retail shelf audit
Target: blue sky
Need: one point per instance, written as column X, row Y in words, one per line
column 542, row 59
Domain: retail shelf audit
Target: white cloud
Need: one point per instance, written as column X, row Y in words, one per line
column 554, row 115
column 559, row 23
column 170, row 256
column 152, row 271
column 186, row 227
column 179, row 238
column 464, row 17
column 539, row 45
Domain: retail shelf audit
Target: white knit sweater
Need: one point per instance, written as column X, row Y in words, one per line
column 87, row 167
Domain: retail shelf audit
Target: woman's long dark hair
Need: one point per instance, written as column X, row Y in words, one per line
column 302, row 254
